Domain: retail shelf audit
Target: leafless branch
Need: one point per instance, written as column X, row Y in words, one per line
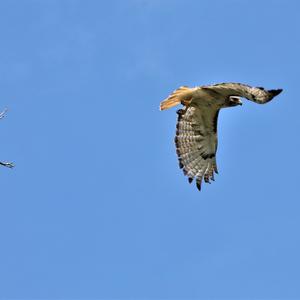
column 5, row 164
column 2, row 114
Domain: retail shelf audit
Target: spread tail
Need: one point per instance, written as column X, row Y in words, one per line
column 182, row 95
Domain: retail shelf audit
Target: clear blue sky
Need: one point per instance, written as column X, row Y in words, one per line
column 97, row 207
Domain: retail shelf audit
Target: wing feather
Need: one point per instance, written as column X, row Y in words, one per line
column 255, row 94
column 196, row 143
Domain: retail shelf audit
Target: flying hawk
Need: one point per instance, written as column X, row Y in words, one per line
column 196, row 129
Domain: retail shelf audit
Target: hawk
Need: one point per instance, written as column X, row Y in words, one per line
column 196, row 130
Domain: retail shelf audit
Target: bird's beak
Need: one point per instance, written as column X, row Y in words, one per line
column 235, row 101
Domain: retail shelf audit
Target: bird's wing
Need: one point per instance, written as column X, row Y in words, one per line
column 196, row 143
column 255, row 94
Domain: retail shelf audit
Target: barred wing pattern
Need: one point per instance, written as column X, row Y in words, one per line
column 196, row 135
column 196, row 143
column 256, row 94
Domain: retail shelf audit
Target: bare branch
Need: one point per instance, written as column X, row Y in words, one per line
column 2, row 114
column 5, row 164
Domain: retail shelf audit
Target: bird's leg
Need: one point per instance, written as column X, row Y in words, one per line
column 7, row 164
column 2, row 114
column 182, row 111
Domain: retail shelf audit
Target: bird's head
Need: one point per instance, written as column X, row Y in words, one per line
column 233, row 101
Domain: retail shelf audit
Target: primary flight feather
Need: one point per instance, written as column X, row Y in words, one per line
column 196, row 130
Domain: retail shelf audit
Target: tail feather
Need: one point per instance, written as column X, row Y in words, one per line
column 181, row 95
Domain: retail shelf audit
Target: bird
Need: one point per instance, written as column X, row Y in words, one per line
column 2, row 163
column 196, row 129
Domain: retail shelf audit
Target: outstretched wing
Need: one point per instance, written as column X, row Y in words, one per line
column 256, row 94
column 196, row 143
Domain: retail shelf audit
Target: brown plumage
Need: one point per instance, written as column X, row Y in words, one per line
column 196, row 129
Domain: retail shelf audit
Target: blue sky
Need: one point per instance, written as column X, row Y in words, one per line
column 97, row 207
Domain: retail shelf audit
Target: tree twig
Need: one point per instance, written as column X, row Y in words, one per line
column 5, row 164
column 2, row 114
